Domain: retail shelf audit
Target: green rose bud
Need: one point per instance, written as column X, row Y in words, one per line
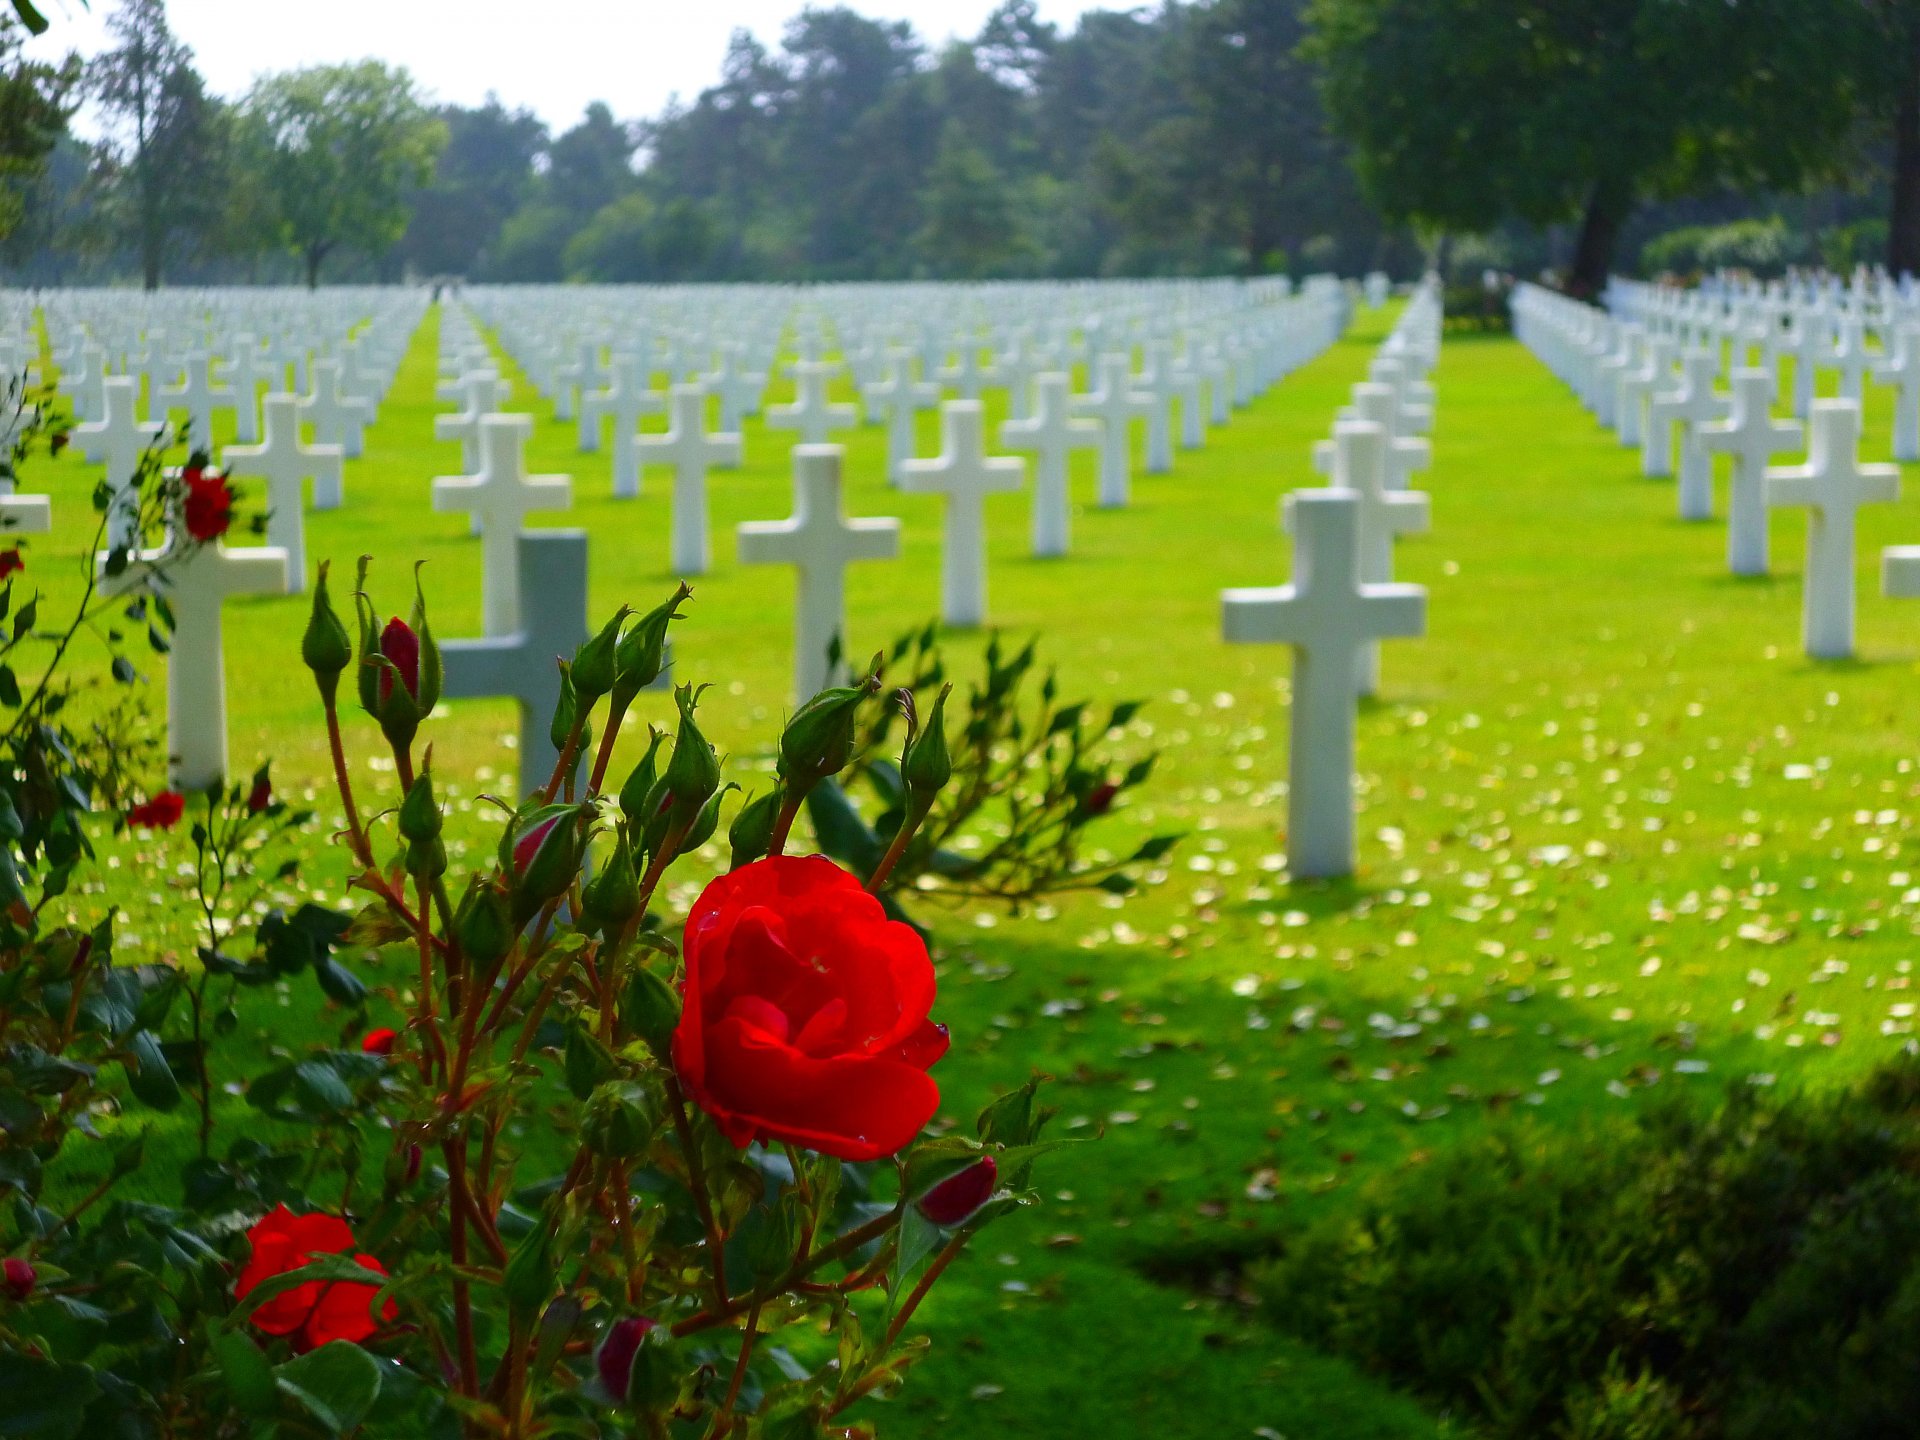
column 751, row 834
column 325, row 647
column 650, row 1009
column 431, row 671
column 419, row 812
column 708, row 822
column 543, row 856
column 483, row 925
column 426, row 859
column 692, row 775
column 613, row 896
column 594, row 664
column 619, row 1121
column 926, row 766
column 633, row 794
column 818, row 740
column 566, row 712
column 642, row 651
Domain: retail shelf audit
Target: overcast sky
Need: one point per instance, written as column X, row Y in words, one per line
column 552, row 56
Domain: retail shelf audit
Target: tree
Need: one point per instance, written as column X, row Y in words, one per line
column 35, row 101
column 343, row 147
column 163, row 147
column 482, row 176
column 1467, row 112
column 972, row 229
column 591, row 166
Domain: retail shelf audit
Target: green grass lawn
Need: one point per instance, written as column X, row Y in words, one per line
column 1617, row 834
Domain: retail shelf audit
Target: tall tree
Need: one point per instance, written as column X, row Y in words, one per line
column 342, row 147
column 36, row 98
column 163, row 145
column 1468, row 112
column 482, row 176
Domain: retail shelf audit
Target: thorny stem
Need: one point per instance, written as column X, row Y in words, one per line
column 723, row 1421
column 901, row 839
column 789, row 812
column 697, row 1182
column 356, row 837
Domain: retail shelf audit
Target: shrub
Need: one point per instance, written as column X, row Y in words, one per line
column 1749, row 1272
column 1762, row 246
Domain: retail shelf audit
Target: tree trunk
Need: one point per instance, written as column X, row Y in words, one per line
column 150, row 260
column 315, row 254
column 1903, row 231
column 1599, row 229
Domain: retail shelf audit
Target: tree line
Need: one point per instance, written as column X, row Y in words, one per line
column 1201, row 136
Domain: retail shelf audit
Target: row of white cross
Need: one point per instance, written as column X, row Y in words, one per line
column 1648, row 402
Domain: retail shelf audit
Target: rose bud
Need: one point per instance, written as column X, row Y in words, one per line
column 261, row 795
column 18, row 1276
column 614, row 1359
column 692, row 775
column 611, row 897
column 419, row 813
column 708, row 821
column 593, row 663
column 926, row 766
column 751, row 834
column 379, row 1042
column 642, row 651
column 650, row 1008
column 162, row 812
column 633, row 794
column 818, row 740
column 1099, row 800
column 325, row 647
column 545, row 858
column 483, row 925
column 11, row 562
column 955, row 1198
column 206, row 508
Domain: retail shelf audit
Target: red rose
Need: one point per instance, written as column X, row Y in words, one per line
column 261, row 796
column 162, row 812
column 208, row 509
column 379, row 1042
column 314, row 1313
column 1099, row 799
column 805, row 1014
column 402, row 647
column 11, row 562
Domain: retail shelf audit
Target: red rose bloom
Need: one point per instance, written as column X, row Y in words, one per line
column 11, row 562
column 805, row 1014
column 208, row 509
column 261, row 796
column 315, row 1313
column 19, row 1277
column 162, row 812
column 379, row 1042
column 614, row 1359
column 402, row 647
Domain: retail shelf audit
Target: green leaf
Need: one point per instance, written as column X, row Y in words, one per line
column 9, row 688
column 245, row 1372
column 43, row 1398
column 30, row 16
column 842, row 834
column 918, row 1238
column 148, row 1074
column 587, row 1063
column 1156, row 848
column 340, row 984
column 336, row 1384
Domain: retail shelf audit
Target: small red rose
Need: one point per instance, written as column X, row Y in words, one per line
column 402, row 648
column 261, row 796
column 12, row 562
column 1099, row 799
column 208, row 508
column 805, row 1016
column 379, row 1042
column 162, row 812
column 315, row 1313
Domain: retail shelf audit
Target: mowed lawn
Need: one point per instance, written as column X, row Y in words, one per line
column 1618, row 835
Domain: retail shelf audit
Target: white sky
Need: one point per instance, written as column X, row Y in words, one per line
column 552, row 56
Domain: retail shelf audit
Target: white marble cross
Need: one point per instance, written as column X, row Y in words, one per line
column 1832, row 485
column 1900, row 368
column 819, row 542
column 625, row 400
column 486, row 394
column 966, row 475
column 739, row 387
column 337, row 417
column 811, row 414
column 900, row 397
column 1752, row 437
column 1691, row 404
column 199, row 397
column 246, row 373
column 1360, row 449
column 1327, row 614
column 117, row 440
column 196, row 585
column 576, row 382
column 1052, row 435
column 1115, row 405
column 551, row 574
column 690, row 449
column 1637, row 384
column 285, row 464
column 499, row 495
